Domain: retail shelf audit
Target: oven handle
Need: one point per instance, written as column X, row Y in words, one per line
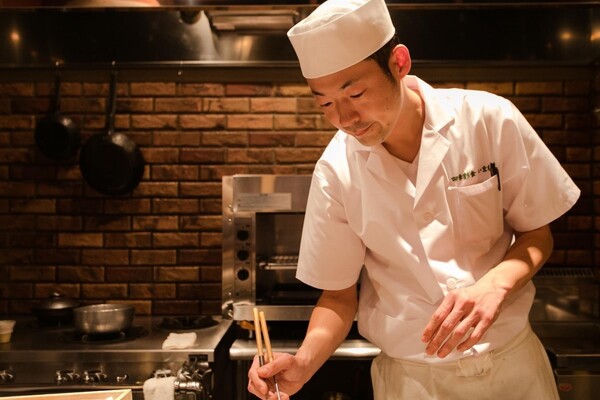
column 356, row 349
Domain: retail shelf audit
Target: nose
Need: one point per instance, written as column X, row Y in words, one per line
column 347, row 115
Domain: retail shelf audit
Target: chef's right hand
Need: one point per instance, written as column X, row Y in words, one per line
column 289, row 374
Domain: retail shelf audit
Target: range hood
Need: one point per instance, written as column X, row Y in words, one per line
column 201, row 34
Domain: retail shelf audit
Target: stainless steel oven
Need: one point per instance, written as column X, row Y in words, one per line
column 262, row 227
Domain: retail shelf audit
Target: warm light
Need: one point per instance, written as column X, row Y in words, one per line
column 15, row 37
column 566, row 35
column 595, row 35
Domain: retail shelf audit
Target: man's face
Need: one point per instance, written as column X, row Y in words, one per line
column 360, row 100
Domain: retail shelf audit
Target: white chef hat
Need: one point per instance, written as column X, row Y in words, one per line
column 339, row 34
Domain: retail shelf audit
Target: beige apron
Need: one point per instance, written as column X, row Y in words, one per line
column 519, row 370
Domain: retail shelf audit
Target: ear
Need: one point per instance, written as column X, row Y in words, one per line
column 400, row 60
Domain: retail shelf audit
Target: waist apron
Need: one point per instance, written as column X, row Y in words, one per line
column 519, row 370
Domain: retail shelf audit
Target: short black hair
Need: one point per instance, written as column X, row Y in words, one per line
column 382, row 56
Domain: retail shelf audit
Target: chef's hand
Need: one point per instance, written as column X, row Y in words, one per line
column 465, row 314
column 289, row 374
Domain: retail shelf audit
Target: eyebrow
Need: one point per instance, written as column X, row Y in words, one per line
column 344, row 86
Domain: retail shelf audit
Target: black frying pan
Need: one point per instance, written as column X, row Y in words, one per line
column 111, row 162
column 56, row 135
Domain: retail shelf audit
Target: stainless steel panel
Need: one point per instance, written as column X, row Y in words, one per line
column 348, row 350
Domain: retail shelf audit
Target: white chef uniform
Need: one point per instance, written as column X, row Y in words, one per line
column 483, row 173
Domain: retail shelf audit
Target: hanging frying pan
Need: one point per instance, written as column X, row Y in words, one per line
column 56, row 135
column 111, row 162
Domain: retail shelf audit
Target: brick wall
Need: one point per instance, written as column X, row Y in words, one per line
column 159, row 248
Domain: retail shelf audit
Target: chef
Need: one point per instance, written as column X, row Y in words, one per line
column 435, row 205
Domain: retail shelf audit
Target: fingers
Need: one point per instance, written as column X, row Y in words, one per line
column 256, row 385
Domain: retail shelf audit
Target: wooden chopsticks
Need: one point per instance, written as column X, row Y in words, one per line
column 262, row 333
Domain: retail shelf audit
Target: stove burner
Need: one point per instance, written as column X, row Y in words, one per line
column 186, row 323
column 132, row 333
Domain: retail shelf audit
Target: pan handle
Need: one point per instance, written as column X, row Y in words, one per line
column 111, row 107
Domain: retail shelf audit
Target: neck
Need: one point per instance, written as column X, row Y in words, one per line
column 406, row 140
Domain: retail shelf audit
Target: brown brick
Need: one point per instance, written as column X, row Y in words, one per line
column 59, row 189
column 71, row 106
column 178, row 105
column 211, row 239
column 202, row 121
column 579, row 154
column 80, row 240
column 226, row 105
column 174, row 172
column 562, row 104
column 16, row 256
column 153, row 89
column 575, row 87
column 545, row 120
column 128, row 206
column 208, row 155
column 200, row 257
column 33, row 273
column 16, row 290
column 161, row 155
column 56, row 256
column 15, row 155
column 210, row 206
column 5, row 106
column 34, row 206
column 142, row 307
column 128, row 240
column 177, row 274
column 30, row 105
column 200, row 189
column 104, row 291
column 44, row 290
column 201, row 89
column 36, row 240
column 315, row 138
column 211, row 273
column 273, row 105
column 248, row 90
column 17, row 189
column 577, row 121
column 156, row 223
column 17, row 222
column 153, row 291
column 526, row 103
column 211, row 307
column 538, row 88
column 225, row 138
column 16, row 89
column 135, row 105
column 61, row 223
column 16, row 121
column 128, row 274
column 212, row 172
column 153, row 257
column 249, row 121
column 297, row 155
column 178, row 138
column 308, row 106
column 106, row 223
column 154, row 121
column 201, row 223
column 172, row 239
column 157, row 189
column 580, row 223
column 104, row 257
column 271, row 139
column 499, row 88
column 295, row 122
column 250, row 156
column 293, row 90
column 80, row 274
column 173, row 206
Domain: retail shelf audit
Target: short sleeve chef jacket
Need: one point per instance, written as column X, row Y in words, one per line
column 483, row 173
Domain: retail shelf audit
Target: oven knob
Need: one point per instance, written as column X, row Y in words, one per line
column 243, row 255
column 94, row 376
column 6, row 376
column 243, row 274
column 66, row 376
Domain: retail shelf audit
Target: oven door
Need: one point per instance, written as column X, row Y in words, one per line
column 346, row 375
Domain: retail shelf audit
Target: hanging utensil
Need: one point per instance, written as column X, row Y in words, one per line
column 111, row 162
column 56, row 135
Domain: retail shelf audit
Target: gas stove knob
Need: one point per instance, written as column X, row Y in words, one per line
column 122, row 379
column 66, row 376
column 94, row 376
column 6, row 376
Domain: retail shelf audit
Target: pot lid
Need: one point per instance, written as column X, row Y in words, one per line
column 57, row 301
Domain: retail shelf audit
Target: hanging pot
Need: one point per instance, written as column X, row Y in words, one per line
column 111, row 162
column 55, row 310
column 56, row 135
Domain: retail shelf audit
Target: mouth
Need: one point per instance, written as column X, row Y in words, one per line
column 360, row 132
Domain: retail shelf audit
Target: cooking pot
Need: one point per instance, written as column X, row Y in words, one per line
column 103, row 318
column 57, row 309
column 111, row 162
column 56, row 135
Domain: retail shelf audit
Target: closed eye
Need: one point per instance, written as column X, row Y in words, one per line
column 356, row 96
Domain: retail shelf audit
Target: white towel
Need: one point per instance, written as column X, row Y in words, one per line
column 179, row 340
column 159, row 388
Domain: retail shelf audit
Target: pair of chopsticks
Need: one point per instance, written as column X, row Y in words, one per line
column 260, row 325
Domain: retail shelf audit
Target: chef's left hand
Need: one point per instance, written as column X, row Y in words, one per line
column 475, row 307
